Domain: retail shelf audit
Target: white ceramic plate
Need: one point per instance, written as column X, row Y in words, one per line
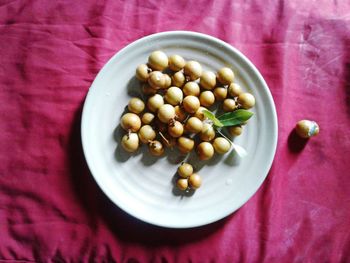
column 143, row 186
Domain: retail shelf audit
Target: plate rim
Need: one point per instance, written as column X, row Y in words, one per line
column 184, row 33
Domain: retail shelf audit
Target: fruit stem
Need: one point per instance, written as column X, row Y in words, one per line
column 187, row 117
column 238, row 149
column 165, row 139
column 223, row 135
column 172, row 122
column 208, row 121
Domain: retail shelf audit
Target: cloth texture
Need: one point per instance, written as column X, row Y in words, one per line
column 51, row 209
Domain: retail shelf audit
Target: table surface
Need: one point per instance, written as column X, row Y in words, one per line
column 51, row 210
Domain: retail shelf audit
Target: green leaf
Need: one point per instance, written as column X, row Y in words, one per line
column 236, row 117
column 212, row 117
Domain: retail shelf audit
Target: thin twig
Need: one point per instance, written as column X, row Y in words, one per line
column 223, row 135
column 165, row 139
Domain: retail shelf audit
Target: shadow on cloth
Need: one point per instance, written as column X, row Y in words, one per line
column 295, row 143
column 98, row 207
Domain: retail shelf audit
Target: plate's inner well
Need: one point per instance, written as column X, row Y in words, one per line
column 143, row 185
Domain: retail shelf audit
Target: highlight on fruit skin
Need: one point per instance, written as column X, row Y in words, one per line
column 207, row 133
column 156, row 80
column 229, row 105
column 207, row 98
column 175, row 129
column 235, row 130
column 220, row 93
column 205, row 151
column 307, row 129
column 191, row 88
column 185, row 170
column 235, row 90
column 182, row 184
column 194, row 125
column 193, row 70
column 195, row 181
column 130, row 142
column 158, row 60
column 191, row 104
column 146, row 134
column 176, row 62
column 156, row 148
column 136, row 105
column 167, row 81
column 225, row 76
column 142, row 72
column 207, row 80
column 184, row 144
column 221, row 145
column 155, row 102
column 147, row 118
column 174, row 96
column 246, row 100
column 166, row 113
column 178, row 79
column 130, row 122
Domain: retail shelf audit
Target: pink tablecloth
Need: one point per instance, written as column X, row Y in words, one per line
column 52, row 210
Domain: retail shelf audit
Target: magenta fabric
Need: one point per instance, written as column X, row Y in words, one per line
column 51, row 210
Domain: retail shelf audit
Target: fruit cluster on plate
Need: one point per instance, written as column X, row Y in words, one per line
column 177, row 110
